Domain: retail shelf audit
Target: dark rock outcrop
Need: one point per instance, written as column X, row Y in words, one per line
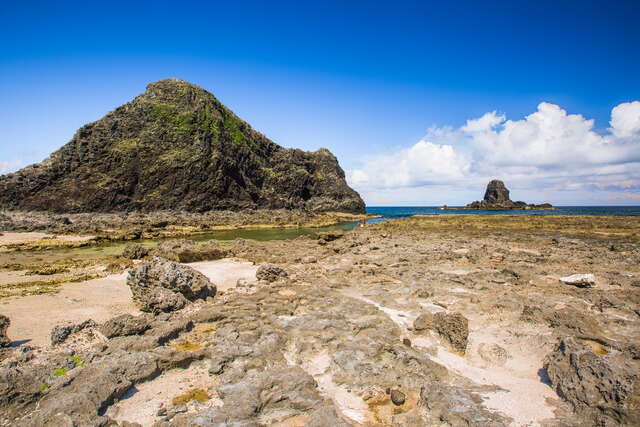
column 176, row 147
column 4, row 324
column 161, row 285
column 496, row 197
column 601, row 387
column 60, row 333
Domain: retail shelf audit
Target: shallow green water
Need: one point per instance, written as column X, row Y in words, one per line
column 116, row 248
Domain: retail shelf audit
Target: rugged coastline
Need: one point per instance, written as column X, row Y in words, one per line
column 385, row 325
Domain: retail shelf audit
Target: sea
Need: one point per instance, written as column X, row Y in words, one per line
column 386, row 213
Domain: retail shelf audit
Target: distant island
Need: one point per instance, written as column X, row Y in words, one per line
column 496, row 197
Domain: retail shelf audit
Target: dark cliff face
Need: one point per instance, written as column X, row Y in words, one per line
column 177, row 147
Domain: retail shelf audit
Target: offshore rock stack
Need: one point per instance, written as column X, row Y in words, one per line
column 496, row 197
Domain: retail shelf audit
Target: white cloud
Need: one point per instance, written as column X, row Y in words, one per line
column 421, row 164
column 625, row 119
column 545, row 149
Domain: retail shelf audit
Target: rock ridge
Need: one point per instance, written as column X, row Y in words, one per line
column 177, row 147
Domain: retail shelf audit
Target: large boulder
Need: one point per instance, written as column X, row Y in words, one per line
column 4, row 324
column 602, row 387
column 453, row 327
column 163, row 285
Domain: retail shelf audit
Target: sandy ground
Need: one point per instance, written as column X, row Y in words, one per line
column 226, row 272
column 142, row 403
column 7, row 238
column 32, row 317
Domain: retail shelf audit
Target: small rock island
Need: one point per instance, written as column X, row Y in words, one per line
column 496, row 197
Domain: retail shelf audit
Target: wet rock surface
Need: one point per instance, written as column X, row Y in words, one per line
column 369, row 334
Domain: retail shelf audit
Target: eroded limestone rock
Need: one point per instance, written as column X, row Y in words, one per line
column 162, row 285
column 602, row 385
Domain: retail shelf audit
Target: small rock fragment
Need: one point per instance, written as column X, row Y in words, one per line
column 580, row 280
column 60, row 333
column 397, row 397
column 453, row 327
column 270, row 272
column 124, row 325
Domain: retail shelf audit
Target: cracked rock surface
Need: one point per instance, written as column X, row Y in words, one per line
column 398, row 324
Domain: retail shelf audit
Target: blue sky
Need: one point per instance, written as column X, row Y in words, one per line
column 389, row 87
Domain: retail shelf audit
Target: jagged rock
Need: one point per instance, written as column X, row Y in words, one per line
column 197, row 156
column 270, row 272
column 4, row 324
column 453, row 327
column 580, row 280
column 161, row 300
column 496, row 197
column 163, row 285
column 135, row 251
column 604, row 387
column 123, row 325
column 60, row 333
column 183, row 250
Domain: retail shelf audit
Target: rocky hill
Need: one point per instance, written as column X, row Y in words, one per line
column 176, row 147
column 496, row 197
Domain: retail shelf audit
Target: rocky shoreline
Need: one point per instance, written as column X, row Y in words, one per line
column 135, row 225
column 436, row 320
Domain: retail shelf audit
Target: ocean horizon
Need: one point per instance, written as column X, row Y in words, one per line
column 387, row 213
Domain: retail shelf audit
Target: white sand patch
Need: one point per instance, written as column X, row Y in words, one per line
column 525, row 395
column 226, row 272
column 524, row 398
column 33, row 316
column 142, row 402
column 9, row 237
